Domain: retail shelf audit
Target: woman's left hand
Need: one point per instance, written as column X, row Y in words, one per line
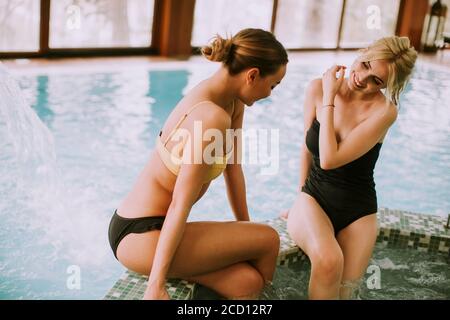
column 331, row 84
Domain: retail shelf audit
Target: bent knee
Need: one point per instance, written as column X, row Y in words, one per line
column 327, row 262
column 270, row 238
column 249, row 284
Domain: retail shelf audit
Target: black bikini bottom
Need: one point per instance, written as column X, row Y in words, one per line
column 119, row 227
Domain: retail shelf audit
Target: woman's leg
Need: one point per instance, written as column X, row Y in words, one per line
column 233, row 258
column 310, row 227
column 356, row 241
column 238, row 281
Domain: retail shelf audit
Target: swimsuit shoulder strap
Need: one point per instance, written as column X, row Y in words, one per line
column 182, row 119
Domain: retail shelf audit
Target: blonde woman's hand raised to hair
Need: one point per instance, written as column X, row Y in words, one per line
column 331, row 84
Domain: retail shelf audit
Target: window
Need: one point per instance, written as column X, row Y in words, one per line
column 447, row 21
column 225, row 17
column 308, row 23
column 368, row 20
column 100, row 23
column 23, row 36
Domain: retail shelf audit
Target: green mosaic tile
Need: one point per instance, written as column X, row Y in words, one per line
column 413, row 230
column 131, row 286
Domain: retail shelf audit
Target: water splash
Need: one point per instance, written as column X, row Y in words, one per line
column 388, row 264
column 27, row 145
column 56, row 216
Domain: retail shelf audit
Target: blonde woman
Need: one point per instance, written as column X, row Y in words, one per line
column 149, row 232
column 333, row 219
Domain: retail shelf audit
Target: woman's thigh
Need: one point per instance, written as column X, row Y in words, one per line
column 357, row 242
column 205, row 247
column 309, row 226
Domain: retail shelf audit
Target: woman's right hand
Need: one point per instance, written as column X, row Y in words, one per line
column 331, row 84
column 156, row 293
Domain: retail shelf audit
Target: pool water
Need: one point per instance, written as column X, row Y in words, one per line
column 392, row 274
column 104, row 123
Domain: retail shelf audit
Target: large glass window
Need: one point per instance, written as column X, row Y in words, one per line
column 447, row 21
column 100, row 23
column 308, row 23
column 19, row 25
column 226, row 17
column 368, row 20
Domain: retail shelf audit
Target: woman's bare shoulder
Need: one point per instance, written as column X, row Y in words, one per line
column 313, row 96
column 213, row 115
column 386, row 109
column 315, row 86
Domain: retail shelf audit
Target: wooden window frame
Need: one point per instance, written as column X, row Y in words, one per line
column 46, row 52
column 172, row 31
column 338, row 35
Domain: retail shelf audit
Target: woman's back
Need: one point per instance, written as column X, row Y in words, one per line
column 152, row 192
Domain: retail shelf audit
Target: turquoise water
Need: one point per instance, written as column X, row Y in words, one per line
column 104, row 125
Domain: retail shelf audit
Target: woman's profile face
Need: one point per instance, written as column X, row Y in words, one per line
column 258, row 87
column 368, row 76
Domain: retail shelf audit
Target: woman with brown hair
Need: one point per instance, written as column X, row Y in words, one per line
column 149, row 232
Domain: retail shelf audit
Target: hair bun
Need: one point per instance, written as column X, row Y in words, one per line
column 218, row 50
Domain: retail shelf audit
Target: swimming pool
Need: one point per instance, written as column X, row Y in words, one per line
column 104, row 123
column 417, row 275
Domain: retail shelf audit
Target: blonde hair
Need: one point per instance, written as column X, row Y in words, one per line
column 401, row 57
column 249, row 48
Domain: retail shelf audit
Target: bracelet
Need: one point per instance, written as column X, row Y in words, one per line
column 328, row 105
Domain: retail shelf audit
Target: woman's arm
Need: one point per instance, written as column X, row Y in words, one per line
column 234, row 176
column 305, row 165
column 309, row 114
column 360, row 140
column 188, row 185
column 235, row 181
column 313, row 89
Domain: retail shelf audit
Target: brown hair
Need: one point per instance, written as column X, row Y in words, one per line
column 249, row 48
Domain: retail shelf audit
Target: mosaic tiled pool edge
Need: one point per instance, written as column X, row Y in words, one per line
column 131, row 286
column 399, row 229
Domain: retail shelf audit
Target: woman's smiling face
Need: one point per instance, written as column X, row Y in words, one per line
column 368, row 76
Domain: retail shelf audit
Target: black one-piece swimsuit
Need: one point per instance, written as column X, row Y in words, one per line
column 346, row 193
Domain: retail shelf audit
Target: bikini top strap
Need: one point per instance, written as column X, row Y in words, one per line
column 182, row 119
